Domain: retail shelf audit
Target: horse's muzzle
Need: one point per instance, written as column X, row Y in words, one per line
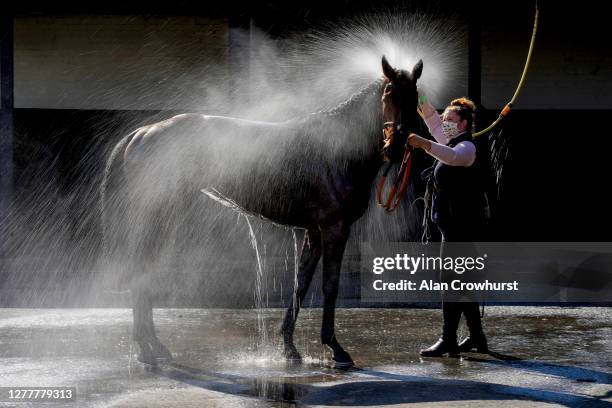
column 395, row 140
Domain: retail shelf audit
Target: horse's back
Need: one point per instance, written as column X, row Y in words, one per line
column 198, row 151
column 199, row 131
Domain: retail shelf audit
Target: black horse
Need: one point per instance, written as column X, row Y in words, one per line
column 314, row 173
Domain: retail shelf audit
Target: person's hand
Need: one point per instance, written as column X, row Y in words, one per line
column 417, row 141
column 421, row 97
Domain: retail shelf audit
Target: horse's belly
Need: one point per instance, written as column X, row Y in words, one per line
column 279, row 198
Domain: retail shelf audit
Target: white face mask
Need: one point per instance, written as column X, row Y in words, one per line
column 450, row 129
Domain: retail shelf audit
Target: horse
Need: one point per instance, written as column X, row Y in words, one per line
column 313, row 173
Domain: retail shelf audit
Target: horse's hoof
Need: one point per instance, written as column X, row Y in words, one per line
column 146, row 358
column 163, row 359
column 343, row 365
column 342, row 360
column 153, row 352
column 291, row 354
column 161, row 352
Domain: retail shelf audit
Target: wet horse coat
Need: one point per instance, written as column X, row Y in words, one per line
column 314, row 173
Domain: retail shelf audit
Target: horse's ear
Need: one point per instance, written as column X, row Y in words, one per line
column 417, row 70
column 388, row 70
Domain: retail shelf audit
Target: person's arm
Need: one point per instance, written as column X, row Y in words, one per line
column 463, row 154
column 432, row 119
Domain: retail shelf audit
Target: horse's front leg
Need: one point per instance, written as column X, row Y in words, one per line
column 309, row 258
column 334, row 243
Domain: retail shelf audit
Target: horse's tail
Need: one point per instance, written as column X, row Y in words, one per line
column 112, row 199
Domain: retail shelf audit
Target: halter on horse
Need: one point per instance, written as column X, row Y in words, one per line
column 395, row 97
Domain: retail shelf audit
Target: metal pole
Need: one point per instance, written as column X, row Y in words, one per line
column 475, row 53
column 6, row 122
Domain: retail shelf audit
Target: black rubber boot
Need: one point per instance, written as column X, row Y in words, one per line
column 451, row 312
column 440, row 348
column 478, row 345
column 477, row 339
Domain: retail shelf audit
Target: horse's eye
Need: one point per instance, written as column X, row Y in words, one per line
column 388, row 89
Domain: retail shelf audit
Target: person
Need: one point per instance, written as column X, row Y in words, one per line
column 455, row 204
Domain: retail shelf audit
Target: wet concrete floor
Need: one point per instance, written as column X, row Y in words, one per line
column 542, row 356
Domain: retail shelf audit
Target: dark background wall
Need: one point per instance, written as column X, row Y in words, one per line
column 72, row 98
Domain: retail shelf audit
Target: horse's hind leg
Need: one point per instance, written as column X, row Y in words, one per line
column 151, row 349
column 144, row 328
column 309, row 258
column 150, row 234
column 334, row 243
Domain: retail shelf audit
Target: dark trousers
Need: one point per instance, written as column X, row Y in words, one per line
column 458, row 242
column 451, row 312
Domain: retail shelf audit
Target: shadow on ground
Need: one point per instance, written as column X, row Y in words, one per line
column 369, row 387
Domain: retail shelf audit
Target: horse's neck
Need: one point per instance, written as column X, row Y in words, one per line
column 366, row 122
column 359, row 127
column 360, row 117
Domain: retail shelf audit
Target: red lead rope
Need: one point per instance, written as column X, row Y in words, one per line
column 404, row 172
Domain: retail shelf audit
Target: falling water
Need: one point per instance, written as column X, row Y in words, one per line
column 259, row 305
column 295, row 266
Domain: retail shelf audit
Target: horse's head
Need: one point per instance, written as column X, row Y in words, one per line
column 399, row 107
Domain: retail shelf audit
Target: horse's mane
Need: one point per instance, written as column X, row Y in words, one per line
column 349, row 106
column 349, row 115
column 355, row 99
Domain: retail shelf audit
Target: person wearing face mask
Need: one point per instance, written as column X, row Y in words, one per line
column 455, row 204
